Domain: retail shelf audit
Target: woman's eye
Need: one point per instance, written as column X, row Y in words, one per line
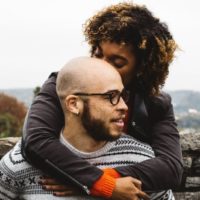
column 118, row 65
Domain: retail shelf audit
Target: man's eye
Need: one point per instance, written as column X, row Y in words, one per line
column 107, row 96
column 111, row 95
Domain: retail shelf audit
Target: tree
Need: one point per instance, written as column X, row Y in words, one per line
column 36, row 91
column 12, row 114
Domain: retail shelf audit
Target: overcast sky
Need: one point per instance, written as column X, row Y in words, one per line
column 40, row 36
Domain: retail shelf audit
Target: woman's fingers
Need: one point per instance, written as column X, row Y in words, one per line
column 51, row 184
column 137, row 183
column 48, row 181
column 143, row 195
column 65, row 193
column 56, row 188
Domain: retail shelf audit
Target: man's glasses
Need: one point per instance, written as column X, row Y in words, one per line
column 113, row 96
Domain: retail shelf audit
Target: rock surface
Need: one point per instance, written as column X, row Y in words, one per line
column 6, row 144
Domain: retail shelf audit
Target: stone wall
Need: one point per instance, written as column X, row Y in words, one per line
column 6, row 144
column 190, row 186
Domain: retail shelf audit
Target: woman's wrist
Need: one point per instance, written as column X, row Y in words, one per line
column 105, row 185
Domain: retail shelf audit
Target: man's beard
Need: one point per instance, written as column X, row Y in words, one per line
column 95, row 127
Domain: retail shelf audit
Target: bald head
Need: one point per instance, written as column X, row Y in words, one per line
column 85, row 74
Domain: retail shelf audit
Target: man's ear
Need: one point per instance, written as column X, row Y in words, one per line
column 72, row 104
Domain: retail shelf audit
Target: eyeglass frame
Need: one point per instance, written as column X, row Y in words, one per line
column 109, row 94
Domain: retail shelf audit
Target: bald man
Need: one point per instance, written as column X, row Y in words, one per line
column 93, row 101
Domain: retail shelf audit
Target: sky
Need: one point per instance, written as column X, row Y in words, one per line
column 39, row 37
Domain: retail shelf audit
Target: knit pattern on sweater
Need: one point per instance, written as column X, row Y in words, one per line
column 18, row 179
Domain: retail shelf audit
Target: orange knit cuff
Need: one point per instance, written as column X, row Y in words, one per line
column 104, row 186
column 112, row 172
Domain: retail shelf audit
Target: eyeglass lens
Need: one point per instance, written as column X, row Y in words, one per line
column 115, row 97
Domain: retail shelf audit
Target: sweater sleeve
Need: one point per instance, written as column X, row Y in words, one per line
column 165, row 170
column 41, row 145
column 8, row 189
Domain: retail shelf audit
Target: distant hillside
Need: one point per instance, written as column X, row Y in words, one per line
column 186, row 105
column 183, row 100
column 23, row 95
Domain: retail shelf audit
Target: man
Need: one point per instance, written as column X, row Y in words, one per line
column 92, row 98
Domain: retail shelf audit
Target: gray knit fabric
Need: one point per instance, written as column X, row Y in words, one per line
column 18, row 179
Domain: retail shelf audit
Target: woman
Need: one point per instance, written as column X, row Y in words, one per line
column 141, row 48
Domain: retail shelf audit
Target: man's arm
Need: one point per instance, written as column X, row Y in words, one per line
column 8, row 190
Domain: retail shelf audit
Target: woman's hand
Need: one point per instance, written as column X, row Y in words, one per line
column 58, row 188
column 128, row 188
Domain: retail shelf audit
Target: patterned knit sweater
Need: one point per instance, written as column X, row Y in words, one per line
column 19, row 180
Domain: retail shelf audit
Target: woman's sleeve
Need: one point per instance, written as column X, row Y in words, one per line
column 165, row 170
column 41, row 145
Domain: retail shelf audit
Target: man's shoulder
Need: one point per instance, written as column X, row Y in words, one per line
column 13, row 162
column 129, row 141
column 125, row 138
column 126, row 151
column 12, row 170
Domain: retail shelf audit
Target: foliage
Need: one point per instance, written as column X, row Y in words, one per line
column 189, row 121
column 12, row 114
column 184, row 100
column 36, row 91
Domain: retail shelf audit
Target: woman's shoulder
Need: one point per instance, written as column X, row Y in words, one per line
column 51, row 79
column 158, row 106
column 163, row 99
column 49, row 87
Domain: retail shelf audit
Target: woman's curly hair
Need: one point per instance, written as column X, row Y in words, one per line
column 151, row 40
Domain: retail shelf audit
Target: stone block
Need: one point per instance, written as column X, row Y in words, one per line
column 6, row 144
column 193, row 182
column 196, row 166
column 187, row 195
column 187, row 162
column 190, row 141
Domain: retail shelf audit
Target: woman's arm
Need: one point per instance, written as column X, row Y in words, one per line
column 43, row 149
column 165, row 170
column 41, row 145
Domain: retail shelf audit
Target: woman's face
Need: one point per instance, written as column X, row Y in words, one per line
column 121, row 56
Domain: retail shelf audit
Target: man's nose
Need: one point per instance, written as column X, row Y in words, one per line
column 122, row 105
